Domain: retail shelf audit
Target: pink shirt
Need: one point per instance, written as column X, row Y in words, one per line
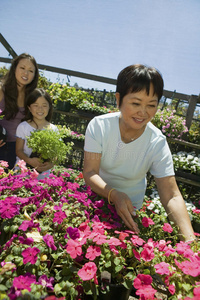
column 11, row 125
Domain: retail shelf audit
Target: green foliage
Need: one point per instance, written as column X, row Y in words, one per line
column 48, row 144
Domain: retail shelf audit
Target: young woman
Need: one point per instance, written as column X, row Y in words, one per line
column 21, row 79
column 38, row 113
column 120, row 148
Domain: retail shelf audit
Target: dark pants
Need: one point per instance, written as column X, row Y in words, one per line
column 7, row 153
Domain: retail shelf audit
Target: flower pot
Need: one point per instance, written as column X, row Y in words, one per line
column 63, row 105
column 188, row 175
column 117, row 291
column 196, row 226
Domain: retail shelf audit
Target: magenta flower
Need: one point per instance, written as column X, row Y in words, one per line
column 26, row 241
column 24, row 282
column 93, row 252
column 146, row 222
column 8, row 210
column 162, row 268
column 30, row 255
column 88, row 271
column 74, row 248
column 73, row 233
column 59, row 217
column 167, row 227
column 45, row 281
column 48, row 239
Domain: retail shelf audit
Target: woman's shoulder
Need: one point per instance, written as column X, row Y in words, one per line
column 106, row 118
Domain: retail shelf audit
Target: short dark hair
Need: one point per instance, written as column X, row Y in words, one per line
column 32, row 97
column 136, row 78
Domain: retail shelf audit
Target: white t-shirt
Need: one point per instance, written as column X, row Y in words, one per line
column 124, row 166
column 23, row 131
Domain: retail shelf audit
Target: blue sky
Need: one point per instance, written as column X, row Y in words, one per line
column 102, row 37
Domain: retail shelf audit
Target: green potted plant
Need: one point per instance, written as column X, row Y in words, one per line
column 48, row 144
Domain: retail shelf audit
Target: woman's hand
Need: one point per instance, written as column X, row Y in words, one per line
column 124, row 208
column 2, row 143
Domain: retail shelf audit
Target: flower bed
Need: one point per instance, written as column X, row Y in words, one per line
column 59, row 238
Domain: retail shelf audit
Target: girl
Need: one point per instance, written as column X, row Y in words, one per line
column 38, row 113
column 21, row 79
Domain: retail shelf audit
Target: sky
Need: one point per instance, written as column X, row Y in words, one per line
column 101, row 37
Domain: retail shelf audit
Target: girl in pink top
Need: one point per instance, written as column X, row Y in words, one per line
column 19, row 82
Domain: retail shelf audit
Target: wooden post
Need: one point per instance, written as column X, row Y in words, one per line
column 190, row 111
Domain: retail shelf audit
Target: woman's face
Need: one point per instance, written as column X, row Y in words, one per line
column 25, row 72
column 137, row 109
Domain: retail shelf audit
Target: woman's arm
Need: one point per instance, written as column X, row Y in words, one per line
column 121, row 201
column 174, row 205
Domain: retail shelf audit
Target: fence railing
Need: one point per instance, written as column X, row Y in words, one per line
column 192, row 100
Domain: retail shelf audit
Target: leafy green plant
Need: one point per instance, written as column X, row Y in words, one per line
column 48, row 144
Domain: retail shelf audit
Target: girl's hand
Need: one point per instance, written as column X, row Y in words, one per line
column 2, row 143
column 35, row 162
column 124, row 208
column 45, row 166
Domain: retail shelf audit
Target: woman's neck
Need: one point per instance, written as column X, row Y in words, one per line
column 129, row 135
column 21, row 96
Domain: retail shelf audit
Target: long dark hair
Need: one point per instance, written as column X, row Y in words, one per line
column 10, row 86
column 32, row 97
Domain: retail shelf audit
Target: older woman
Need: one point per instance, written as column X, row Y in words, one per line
column 120, row 148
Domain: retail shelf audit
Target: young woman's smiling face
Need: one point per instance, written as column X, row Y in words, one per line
column 137, row 109
column 25, row 72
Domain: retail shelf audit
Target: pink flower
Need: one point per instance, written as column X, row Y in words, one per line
column 167, row 227
column 162, row 268
column 190, row 268
column 196, row 291
column 24, row 281
column 34, row 174
column 88, row 271
column 48, row 239
column 74, row 248
column 146, row 222
column 1, row 171
column 30, row 255
column 147, row 254
column 171, row 289
column 142, row 280
column 4, row 163
column 146, row 293
column 93, row 252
